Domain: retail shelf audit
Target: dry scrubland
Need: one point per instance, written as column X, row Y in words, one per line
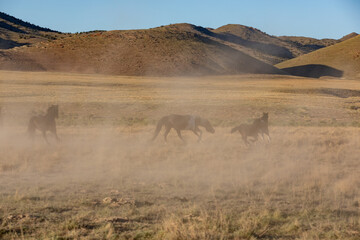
column 106, row 180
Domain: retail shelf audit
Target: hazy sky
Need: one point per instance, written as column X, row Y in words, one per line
column 311, row 18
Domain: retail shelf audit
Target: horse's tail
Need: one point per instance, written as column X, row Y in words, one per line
column 31, row 127
column 159, row 125
column 235, row 129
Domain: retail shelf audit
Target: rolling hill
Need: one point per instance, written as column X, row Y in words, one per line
column 265, row 47
column 177, row 49
column 15, row 32
column 346, row 37
column 341, row 59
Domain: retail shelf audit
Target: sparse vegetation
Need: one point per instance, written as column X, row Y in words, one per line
column 106, row 181
column 22, row 23
column 15, row 32
column 180, row 49
column 172, row 50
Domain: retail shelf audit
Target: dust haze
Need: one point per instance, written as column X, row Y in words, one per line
column 106, row 168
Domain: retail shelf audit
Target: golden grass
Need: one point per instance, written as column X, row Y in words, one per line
column 344, row 56
column 105, row 180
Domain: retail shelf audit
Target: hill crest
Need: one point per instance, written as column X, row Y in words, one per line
column 15, row 32
column 173, row 49
column 18, row 22
column 343, row 56
column 348, row 36
column 180, row 49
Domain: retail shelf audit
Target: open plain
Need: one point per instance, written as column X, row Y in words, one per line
column 106, row 180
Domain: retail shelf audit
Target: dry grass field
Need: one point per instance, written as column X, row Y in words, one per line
column 106, row 180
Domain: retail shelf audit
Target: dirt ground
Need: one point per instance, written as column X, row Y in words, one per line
column 106, row 180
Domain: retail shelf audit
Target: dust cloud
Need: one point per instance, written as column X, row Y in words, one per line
column 109, row 155
column 105, row 146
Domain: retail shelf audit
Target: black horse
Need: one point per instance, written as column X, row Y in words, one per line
column 45, row 123
column 259, row 126
column 183, row 122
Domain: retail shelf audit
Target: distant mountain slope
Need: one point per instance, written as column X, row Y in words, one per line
column 270, row 49
column 180, row 49
column 348, row 36
column 245, row 32
column 303, row 45
column 176, row 49
column 15, row 32
column 343, row 57
column 22, row 24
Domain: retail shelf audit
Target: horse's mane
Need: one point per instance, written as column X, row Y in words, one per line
column 53, row 111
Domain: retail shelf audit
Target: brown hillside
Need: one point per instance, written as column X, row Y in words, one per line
column 269, row 48
column 254, row 42
column 180, row 49
column 244, row 32
column 310, row 42
column 15, row 32
column 167, row 50
column 346, row 37
column 340, row 59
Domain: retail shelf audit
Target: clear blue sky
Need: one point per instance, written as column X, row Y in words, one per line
column 311, row 18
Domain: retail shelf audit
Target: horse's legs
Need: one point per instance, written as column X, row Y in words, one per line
column 179, row 134
column 166, row 133
column 44, row 135
column 199, row 135
column 268, row 137
column 55, row 134
column 266, row 132
column 255, row 139
column 244, row 137
column 198, row 129
column 262, row 136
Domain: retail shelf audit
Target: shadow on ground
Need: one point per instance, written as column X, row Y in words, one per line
column 314, row 71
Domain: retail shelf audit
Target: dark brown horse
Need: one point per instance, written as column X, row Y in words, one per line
column 259, row 126
column 183, row 122
column 263, row 124
column 45, row 123
column 247, row 130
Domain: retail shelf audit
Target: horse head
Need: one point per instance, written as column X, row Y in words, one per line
column 265, row 116
column 206, row 124
column 53, row 111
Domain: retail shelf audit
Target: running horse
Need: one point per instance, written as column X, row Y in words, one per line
column 259, row 126
column 183, row 122
column 263, row 123
column 45, row 123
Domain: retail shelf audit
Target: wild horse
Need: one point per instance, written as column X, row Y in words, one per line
column 45, row 123
column 183, row 122
column 259, row 126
